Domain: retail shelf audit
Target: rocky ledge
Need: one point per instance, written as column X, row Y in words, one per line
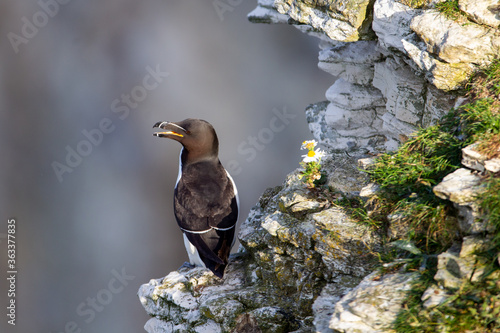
column 394, row 67
column 304, row 265
column 299, row 254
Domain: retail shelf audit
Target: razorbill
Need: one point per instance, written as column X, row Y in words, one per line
column 206, row 203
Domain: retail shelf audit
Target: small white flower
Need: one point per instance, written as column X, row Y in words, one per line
column 313, row 156
column 309, row 144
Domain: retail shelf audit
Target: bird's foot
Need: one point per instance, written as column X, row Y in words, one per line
column 187, row 265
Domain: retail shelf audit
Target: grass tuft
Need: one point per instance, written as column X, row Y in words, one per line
column 415, row 3
column 474, row 308
column 407, row 177
column 451, row 10
column 490, row 204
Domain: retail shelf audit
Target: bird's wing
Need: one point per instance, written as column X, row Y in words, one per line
column 213, row 248
column 206, row 209
column 207, row 201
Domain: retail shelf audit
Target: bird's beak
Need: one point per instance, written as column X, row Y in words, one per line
column 172, row 129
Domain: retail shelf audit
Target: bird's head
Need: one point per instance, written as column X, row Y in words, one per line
column 197, row 136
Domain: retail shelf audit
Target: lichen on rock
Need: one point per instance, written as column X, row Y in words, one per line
column 304, row 264
column 293, row 245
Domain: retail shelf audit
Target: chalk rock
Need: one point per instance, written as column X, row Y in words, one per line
column 482, row 11
column 266, row 13
column 369, row 191
column 452, row 272
column 351, row 134
column 342, row 118
column 352, row 61
column 366, row 163
column 442, row 75
column 461, row 263
column 373, row 305
column 473, row 159
column 402, row 89
column 492, row 165
column 293, row 258
column 398, row 129
column 354, row 96
column 461, row 187
column 437, row 104
column 183, row 298
column 288, row 259
column 434, row 296
column 344, row 174
column 343, row 21
column 391, row 23
column 315, row 117
column 353, row 114
column 324, row 305
column 453, row 42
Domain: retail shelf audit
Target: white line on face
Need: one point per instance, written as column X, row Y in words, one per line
column 170, row 123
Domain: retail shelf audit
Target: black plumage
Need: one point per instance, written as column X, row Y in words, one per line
column 205, row 196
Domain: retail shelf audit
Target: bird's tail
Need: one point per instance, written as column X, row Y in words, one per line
column 214, row 248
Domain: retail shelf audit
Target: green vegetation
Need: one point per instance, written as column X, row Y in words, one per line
column 406, row 178
column 451, row 10
column 490, row 204
column 474, row 308
column 415, row 3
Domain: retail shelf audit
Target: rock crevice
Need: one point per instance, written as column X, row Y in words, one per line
column 304, row 264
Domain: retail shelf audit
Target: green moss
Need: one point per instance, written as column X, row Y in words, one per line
column 407, row 177
column 481, row 119
column 490, row 204
column 357, row 209
column 475, row 307
column 415, row 3
column 421, row 162
column 451, row 10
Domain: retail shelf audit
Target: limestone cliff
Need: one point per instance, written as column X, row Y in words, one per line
column 305, row 265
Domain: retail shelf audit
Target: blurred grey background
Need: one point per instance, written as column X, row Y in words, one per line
column 90, row 78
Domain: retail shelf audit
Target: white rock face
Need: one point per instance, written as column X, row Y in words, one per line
column 353, row 62
column 373, row 305
column 340, row 21
column 442, row 75
column 453, row 42
column 437, row 104
column 266, row 13
column 303, row 264
column 391, row 23
column 492, row 165
column 434, row 296
column 353, row 96
column 482, row 11
column 195, row 300
column 402, row 89
column 461, row 263
column 473, row 159
column 461, row 187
